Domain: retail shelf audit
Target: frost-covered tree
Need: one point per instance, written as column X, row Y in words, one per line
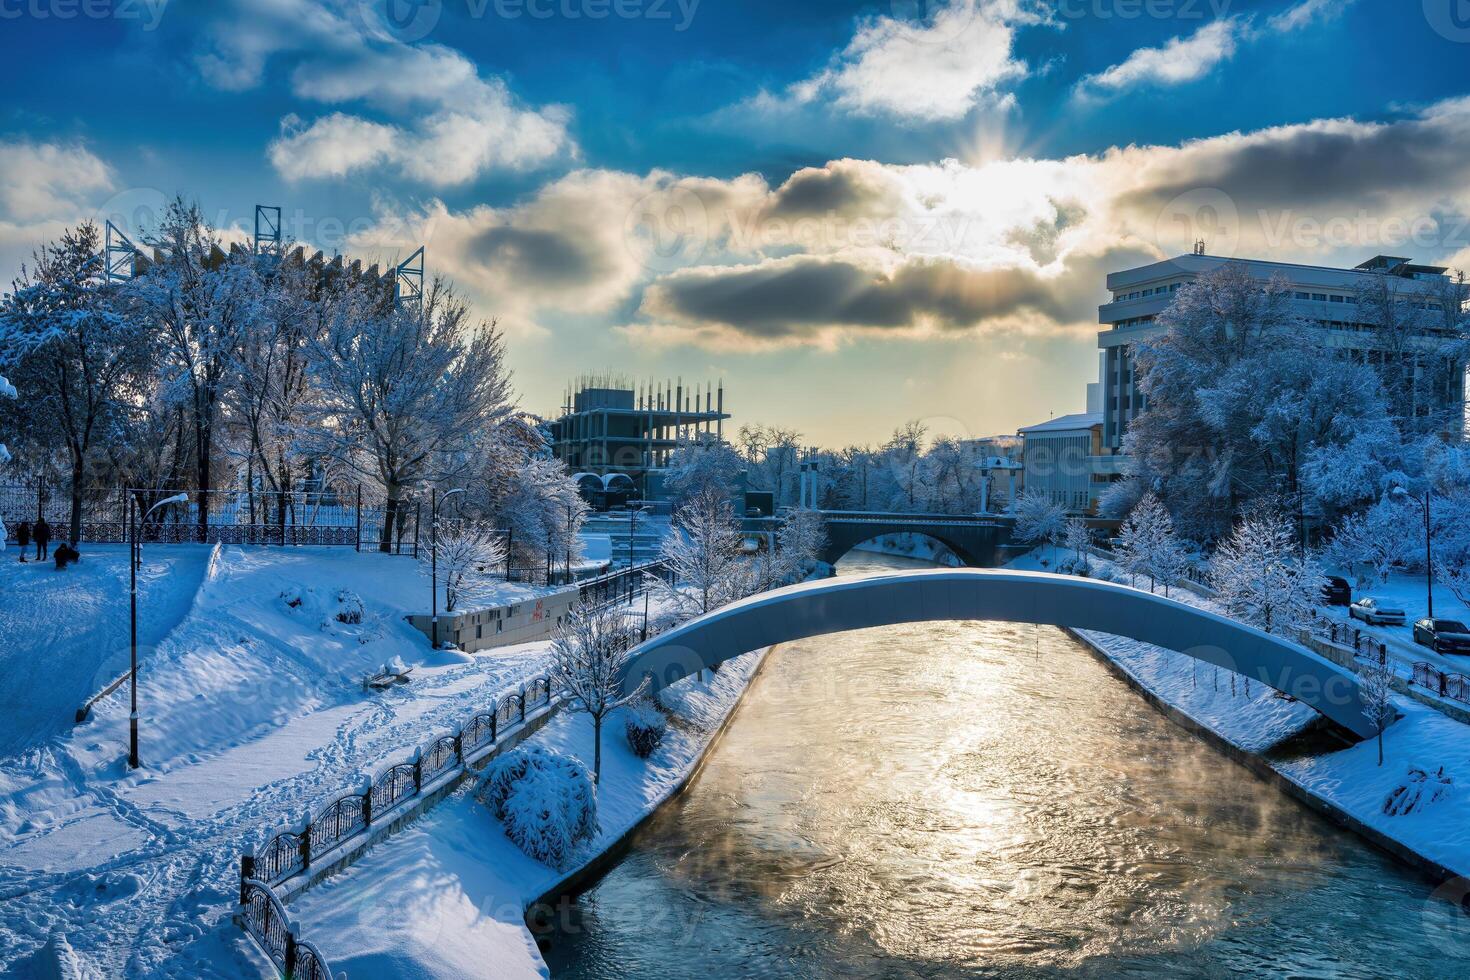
column 771, row 458
column 1375, row 541
column 702, row 549
column 407, row 393
column 524, row 490
column 1147, row 544
column 589, row 656
column 1241, row 396
column 1419, row 351
column 197, row 300
column 1038, row 518
column 1261, row 576
column 79, row 357
column 800, row 541
column 7, row 392
column 469, row 557
column 903, row 457
column 1377, row 685
column 698, row 465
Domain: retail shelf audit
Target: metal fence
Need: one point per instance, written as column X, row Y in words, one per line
column 1430, row 677
column 227, row 516
column 1351, row 637
column 264, row 919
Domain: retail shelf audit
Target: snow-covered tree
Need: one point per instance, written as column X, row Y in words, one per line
column 702, row 549
column 524, row 490
column 800, row 541
column 589, row 655
column 703, row 464
column 1038, row 518
column 771, row 458
column 407, row 393
column 197, row 299
column 78, row 356
column 1076, row 538
column 1377, row 541
column 469, row 557
column 1377, row 685
column 903, row 457
column 1262, row 577
column 7, row 391
column 1241, row 397
column 1147, row 544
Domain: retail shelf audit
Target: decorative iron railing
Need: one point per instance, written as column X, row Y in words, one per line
column 265, row 921
column 1436, row 681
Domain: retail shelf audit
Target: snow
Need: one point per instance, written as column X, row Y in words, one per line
column 1350, row 778
column 447, row 896
column 1408, row 593
column 252, row 711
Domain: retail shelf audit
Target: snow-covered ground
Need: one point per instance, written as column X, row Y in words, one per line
column 1349, row 778
column 447, row 897
column 252, row 711
column 917, row 546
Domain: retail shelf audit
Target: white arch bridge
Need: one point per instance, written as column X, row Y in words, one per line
column 838, row 604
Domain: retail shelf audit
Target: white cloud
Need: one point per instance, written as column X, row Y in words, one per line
column 48, row 180
column 936, row 69
column 862, row 249
column 439, row 121
column 1181, row 60
column 1306, row 13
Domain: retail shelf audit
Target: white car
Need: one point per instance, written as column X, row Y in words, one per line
column 1376, row 612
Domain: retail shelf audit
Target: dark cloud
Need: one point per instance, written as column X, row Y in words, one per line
column 799, row 297
column 535, row 256
column 1333, row 165
column 840, row 188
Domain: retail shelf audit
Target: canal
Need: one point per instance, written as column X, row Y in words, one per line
column 963, row 799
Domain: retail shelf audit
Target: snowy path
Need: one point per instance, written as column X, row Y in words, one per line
column 252, row 714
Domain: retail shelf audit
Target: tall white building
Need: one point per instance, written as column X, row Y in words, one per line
column 1322, row 295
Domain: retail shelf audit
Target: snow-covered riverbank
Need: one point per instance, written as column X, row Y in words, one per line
column 1347, row 783
column 447, row 897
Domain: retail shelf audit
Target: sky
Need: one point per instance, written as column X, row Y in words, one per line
column 854, row 214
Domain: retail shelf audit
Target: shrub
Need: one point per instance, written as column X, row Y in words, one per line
column 349, row 608
column 545, row 799
column 645, row 726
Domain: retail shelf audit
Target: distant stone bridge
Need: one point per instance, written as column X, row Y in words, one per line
column 837, row 604
column 979, row 542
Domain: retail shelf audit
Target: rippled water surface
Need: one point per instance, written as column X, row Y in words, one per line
column 964, row 799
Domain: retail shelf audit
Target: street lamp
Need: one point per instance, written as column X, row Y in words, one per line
column 135, row 558
column 434, row 561
column 1399, row 493
column 633, row 513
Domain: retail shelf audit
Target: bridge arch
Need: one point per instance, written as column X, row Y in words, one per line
column 976, row 542
column 839, row 604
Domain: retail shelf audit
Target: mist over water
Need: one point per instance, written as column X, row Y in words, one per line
column 961, row 799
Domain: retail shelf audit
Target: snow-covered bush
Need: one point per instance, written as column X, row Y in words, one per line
column 349, row 608
column 1419, row 791
column 294, row 597
column 544, row 798
column 645, row 726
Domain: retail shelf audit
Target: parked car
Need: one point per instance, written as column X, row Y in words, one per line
column 1376, row 612
column 1443, row 635
column 1337, row 592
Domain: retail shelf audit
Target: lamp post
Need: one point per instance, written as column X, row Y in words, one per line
column 434, row 562
column 135, row 557
column 1399, row 493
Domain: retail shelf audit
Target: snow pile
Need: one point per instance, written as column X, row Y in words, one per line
column 1420, row 792
column 346, row 610
column 644, row 726
column 349, row 608
column 545, row 799
column 58, row 961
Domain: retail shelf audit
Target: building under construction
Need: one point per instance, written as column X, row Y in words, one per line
column 619, row 435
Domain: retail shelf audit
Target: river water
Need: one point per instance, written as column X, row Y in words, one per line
column 985, row 799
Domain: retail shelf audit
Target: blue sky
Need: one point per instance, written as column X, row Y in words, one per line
column 899, row 210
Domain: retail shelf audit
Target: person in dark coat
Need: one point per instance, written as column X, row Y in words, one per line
column 23, row 538
column 42, row 535
column 66, row 555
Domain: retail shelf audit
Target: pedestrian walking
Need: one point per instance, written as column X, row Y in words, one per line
column 42, row 535
column 23, row 538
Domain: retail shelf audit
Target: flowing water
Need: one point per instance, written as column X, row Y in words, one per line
column 963, row 799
